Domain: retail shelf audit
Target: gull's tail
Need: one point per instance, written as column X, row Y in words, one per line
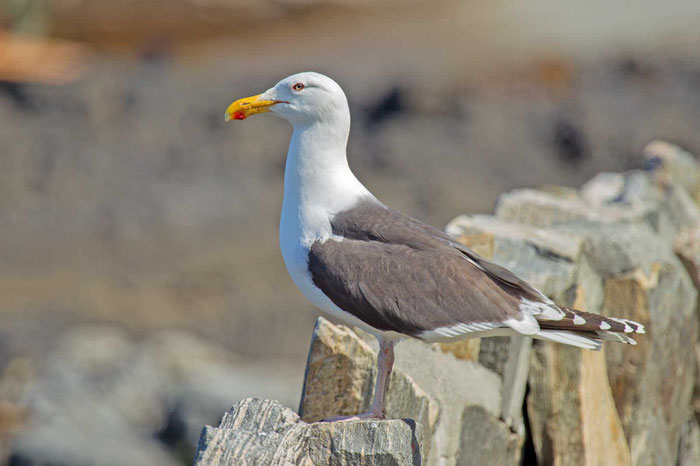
column 585, row 329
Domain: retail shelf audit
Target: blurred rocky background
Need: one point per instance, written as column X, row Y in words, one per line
column 141, row 289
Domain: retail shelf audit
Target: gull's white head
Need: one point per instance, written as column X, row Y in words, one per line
column 303, row 98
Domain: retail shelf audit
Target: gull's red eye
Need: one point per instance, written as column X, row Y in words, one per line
column 298, row 86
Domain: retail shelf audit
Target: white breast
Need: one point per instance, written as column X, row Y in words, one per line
column 306, row 218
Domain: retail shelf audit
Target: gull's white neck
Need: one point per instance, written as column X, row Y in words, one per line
column 318, row 183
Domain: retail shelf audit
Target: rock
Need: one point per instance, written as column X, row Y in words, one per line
column 101, row 389
column 257, row 431
column 669, row 163
column 515, row 373
column 499, row 234
column 653, row 398
column 689, row 449
column 687, row 248
column 696, row 392
column 636, row 197
column 339, row 381
column 509, row 357
column 643, row 280
column 453, row 384
column 607, row 198
column 627, row 269
column 428, row 385
column 340, row 375
column 543, row 209
column 572, row 413
column 338, row 360
column 84, row 397
column 686, row 245
column 605, row 250
column 487, row 440
column 561, row 434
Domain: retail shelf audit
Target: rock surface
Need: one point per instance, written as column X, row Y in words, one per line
column 340, row 376
column 257, row 431
column 689, row 449
column 627, row 268
column 427, row 384
column 572, row 412
column 485, row 440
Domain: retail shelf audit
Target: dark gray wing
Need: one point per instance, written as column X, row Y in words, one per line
column 372, row 221
column 406, row 290
column 398, row 274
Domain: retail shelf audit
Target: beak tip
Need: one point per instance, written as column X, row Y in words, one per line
column 235, row 116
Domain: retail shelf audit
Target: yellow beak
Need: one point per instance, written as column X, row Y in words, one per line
column 243, row 108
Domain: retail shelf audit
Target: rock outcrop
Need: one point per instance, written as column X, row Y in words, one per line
column 428, row 384
column 259, row 431
column 609, row 249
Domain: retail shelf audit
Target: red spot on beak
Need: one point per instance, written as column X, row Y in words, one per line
column 239, row 116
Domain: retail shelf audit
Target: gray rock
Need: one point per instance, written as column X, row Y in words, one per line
column 573, row 418
column 625, row 268
column 487, row 440
column 339, row 381
column 515, row 374
column 687, row 248
column 454, row 384
column 643, row 280
column 550, row 259
column 608, row 198
column 638, row 197
column 263, row 432
column 689, row 449
column 686, row 245
column 670, row 163
column 651, row 393
column 542, row 208
column 610, row 248
column 428, row 384
column 100, row 389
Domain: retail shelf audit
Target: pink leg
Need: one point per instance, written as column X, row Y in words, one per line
column 385, row 362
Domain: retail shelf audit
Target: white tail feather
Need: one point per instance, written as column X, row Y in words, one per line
column 612, row 336
column 569, row 338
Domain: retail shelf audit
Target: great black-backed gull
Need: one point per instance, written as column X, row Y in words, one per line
column 381, row 270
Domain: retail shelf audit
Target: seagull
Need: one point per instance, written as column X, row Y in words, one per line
column 385, row 272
